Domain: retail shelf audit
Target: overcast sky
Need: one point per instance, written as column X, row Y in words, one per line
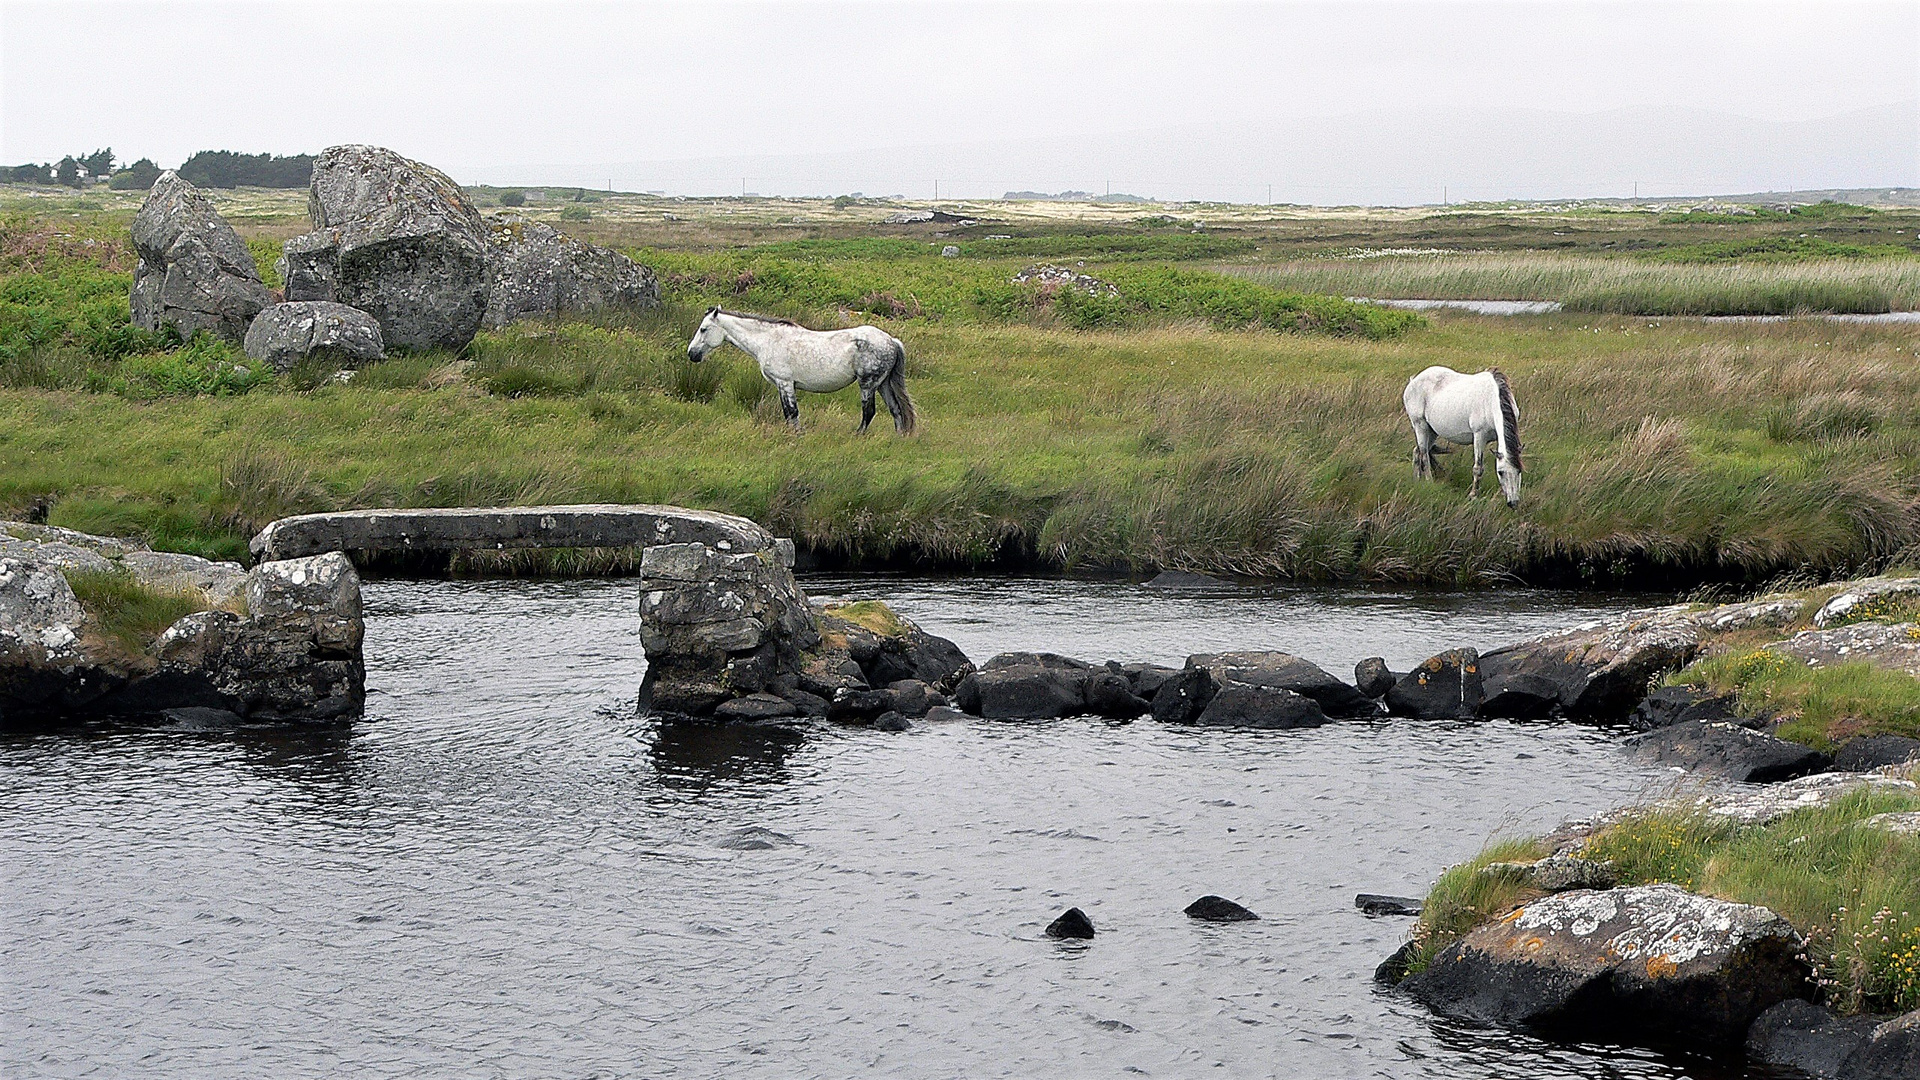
column 587, row 92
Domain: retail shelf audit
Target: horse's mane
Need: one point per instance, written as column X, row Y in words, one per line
column 1509, row 416
column 759, row 318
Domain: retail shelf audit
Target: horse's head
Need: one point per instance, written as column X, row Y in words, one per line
column 1509, row 479
column 708, row 338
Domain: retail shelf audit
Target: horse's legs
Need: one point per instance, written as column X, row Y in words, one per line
column 1479, row 461
column 789, row 405
column 1422, row 451
column 866, row 407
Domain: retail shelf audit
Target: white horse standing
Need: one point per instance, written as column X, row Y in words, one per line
column 1443, row 403
column 794, row 358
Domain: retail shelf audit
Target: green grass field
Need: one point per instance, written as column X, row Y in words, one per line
column 1202, row 421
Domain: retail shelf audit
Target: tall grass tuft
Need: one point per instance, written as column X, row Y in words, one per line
column 128, row 613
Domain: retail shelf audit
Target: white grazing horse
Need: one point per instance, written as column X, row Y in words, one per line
column 794, row 358
column 1443, row 403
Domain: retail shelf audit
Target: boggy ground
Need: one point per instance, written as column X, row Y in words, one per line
column 1203, row 423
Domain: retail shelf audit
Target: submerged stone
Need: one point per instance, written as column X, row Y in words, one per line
column 1072, row 924
column 1212, row 908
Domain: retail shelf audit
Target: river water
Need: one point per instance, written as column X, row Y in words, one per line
column 503, row 871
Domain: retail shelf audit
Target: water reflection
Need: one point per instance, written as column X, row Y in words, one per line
column 695, row 756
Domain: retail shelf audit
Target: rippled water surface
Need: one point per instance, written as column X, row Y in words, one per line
column 502, row 871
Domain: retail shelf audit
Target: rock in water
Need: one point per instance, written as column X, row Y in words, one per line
column 1597, row 672
column 1284, row 671
column 1072, row 923
column 286, row 334
column 1802, row 1036
column 1371, row 677
column 891, row 721
column 1183, row 696
column 194, row 273
column 397, row 240
column 1112, row 696
column 1374, row 905
column 718, row 625
column 1891, row 1052
column 538, row 271
column 1022, row 693
column 1730, row 751
column 1670, row 705
column 1212, row 908
column 1444, row 687
column 1650, row 965
column 1241, row 705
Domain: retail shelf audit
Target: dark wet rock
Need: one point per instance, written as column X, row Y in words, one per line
column 806, row 703
column 1729, row 751
column 539, row 272
column 859, row 706
column 1072, row 923
column 1022, row 693
column 1669, row 705
column 397, row 240
column 1212, row 908
column 1183, row 696
column 201, row 718
column 889, row 648
column 1284, row 671
column 911, row 697
column 1371, row 677
column 891, row 721
column 1182, row 579
column 1112, row 696
column 718, row 625
column 1244, row 705
column 761, row 706
column 1595, row 672
column 1649, row 965
column 1891, row 1052
column 1804, row 1037
column 194, row 272
column 944, row 714
column 1394, row 968
column 1050, row 661
column 1443, row 687
column 285, row 335
column 1375, row 905
column 1870, row 752
column 1146, row 679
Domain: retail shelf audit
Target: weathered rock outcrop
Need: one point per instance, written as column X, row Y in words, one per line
column 286, row 334
column 194, row 273
column 1759, row 806
column 1596, row 672
column 537, row 271
column 1895, row 646
column 719, row 625
column 888, row 649
column 1729, row 751
column 1867, row 597
column 1651, row 965
column 1806, row 1038
column 281, row 642
column 397, row 240
column 587, row 525
column 1891, row 1052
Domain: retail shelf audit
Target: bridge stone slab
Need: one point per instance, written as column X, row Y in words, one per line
column 595, row 525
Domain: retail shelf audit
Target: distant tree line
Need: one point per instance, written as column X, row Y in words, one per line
column 208, row 168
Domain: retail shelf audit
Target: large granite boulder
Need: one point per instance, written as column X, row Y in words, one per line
column 281, row 642
column 536, row 271
column 194, row 273
column 1730, row 751
column 1649, row 965
column 1284, row 671
column 1444, row 687
column 397, row 240
column 1253, row 706
column 718, row 625
column 1026, row 686
column 888, row 648
column 287, row 334
column 1595, row 672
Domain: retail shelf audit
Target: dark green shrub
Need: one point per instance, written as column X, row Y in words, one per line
column 513, row 197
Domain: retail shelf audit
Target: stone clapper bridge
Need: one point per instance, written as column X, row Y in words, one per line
column 726, row 630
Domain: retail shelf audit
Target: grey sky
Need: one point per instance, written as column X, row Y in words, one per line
column 796, row 96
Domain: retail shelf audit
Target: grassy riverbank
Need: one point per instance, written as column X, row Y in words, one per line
column 1200, row 421
column 1853, row 891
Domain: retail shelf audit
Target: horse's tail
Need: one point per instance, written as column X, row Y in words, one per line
column 894, row 392
column 1509, row 417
